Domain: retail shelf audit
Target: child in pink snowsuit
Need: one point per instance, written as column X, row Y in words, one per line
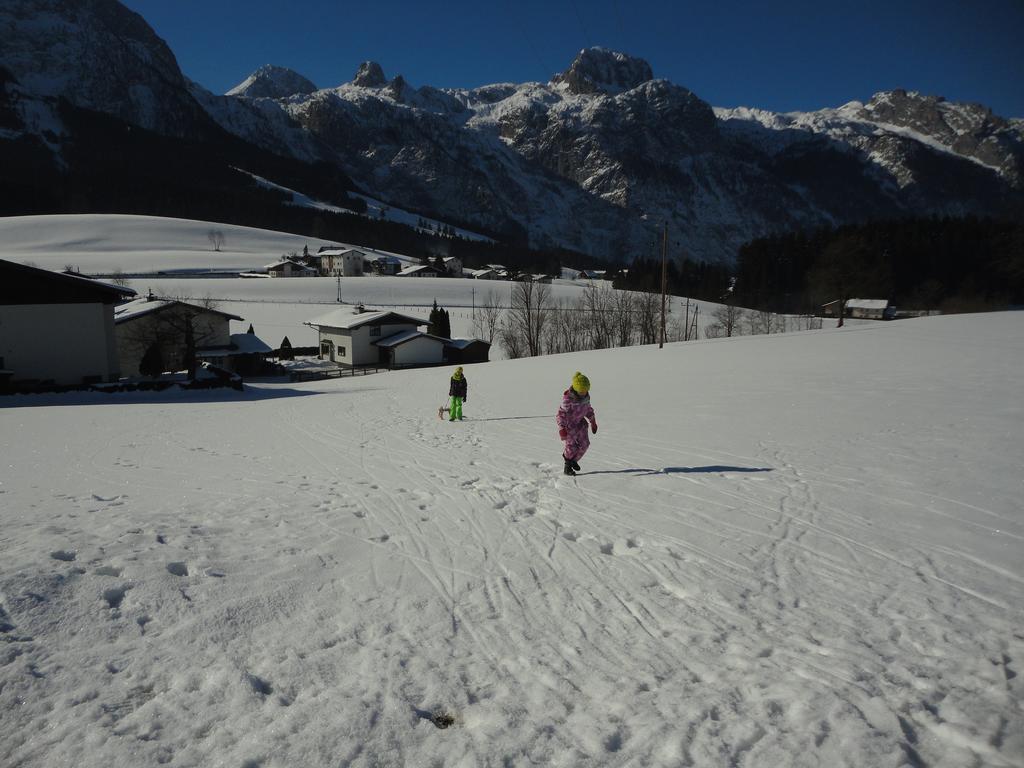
column 573, row 415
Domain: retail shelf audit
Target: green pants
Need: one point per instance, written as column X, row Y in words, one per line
column 455, row 409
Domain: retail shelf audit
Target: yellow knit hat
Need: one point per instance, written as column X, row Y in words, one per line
column 580, row 383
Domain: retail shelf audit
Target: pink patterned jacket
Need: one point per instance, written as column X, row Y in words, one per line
column 573, row 415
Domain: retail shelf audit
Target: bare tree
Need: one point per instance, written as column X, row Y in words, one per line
column 758, row 321
column 728, row 317
column 488, row 316
column 216, row 238
column 599, row 306
column 529, row 313
column 566, row 331
column 624, row 317
column 117, row 278
column 649, row 317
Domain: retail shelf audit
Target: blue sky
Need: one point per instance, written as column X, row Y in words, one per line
column 781, row 55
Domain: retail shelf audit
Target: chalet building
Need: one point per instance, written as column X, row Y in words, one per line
column 342, row 262
column 56, row 329
column 388, row 339
column 483, row 274
column 420, row 270
column 868, row 309
column 289, row 268
column 156, row 330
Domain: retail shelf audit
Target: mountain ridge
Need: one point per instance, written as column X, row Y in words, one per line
column 598, row 159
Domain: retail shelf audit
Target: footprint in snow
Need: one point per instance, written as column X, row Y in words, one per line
column 64, row 555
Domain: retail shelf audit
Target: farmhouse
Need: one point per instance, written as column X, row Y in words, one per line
column 342, row 262
column 56, row 328
column 155, row 335
column 420, row 270
column 289, row 268
column 869, row 309
column 386, row 339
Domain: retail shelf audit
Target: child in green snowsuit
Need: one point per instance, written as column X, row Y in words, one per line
column 458, row 394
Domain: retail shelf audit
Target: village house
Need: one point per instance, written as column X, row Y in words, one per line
column 483, row 274
column 453, row 265
column 56, row 328
column 356, row 338
column 342, row 262
column 246, row 354
column 289, row 268
column 868, row 309
column 385, row 264
column 153, row 334
column 420, row 270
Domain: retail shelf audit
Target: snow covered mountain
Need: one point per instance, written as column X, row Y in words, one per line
column 594, row 160
column 579, row 160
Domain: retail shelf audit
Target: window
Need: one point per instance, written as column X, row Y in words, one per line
column 342, row 351
column 375, row 330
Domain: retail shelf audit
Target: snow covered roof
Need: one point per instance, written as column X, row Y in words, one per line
column 346, row 318
column 339, row 252
column 463, row 343
column 416, row 269
column 283, row 262
column 401, row 338
column 867, row 303
column 144, row 306
column 241, row 344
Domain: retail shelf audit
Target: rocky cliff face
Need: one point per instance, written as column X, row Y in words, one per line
column 98, row 55
column 596, row 160
column 600, row 156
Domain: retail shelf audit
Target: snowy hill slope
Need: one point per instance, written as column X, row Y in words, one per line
column 104, row 243
column 797, row 550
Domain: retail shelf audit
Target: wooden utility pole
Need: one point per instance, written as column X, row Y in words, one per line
column 664, row 281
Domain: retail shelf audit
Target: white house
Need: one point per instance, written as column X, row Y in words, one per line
column 289, row 268
column 342, row 262
column 159, row 327
column 352, row 338
column 412, row 348
column 56, row 328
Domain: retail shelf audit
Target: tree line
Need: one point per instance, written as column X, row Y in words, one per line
column 948, row 264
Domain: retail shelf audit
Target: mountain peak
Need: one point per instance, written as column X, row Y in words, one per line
column 600, row 70
column 273, row 82
column 369, row 75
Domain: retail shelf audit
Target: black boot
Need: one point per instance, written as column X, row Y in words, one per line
column 568, row 468
column 575, row 465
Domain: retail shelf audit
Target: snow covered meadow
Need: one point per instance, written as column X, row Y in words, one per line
column 803, row 549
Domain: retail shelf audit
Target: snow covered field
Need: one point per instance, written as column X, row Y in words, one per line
column 104, row 244
column 795, row 550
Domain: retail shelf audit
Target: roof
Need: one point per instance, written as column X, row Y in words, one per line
column 22, row 284
column 405, row 336
column 241, row 344
column 417, row 268
column 287, row 261
column 463, row 343
column 867, row 303
column 338, row 251
column 347, row 319
column 145, row 306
